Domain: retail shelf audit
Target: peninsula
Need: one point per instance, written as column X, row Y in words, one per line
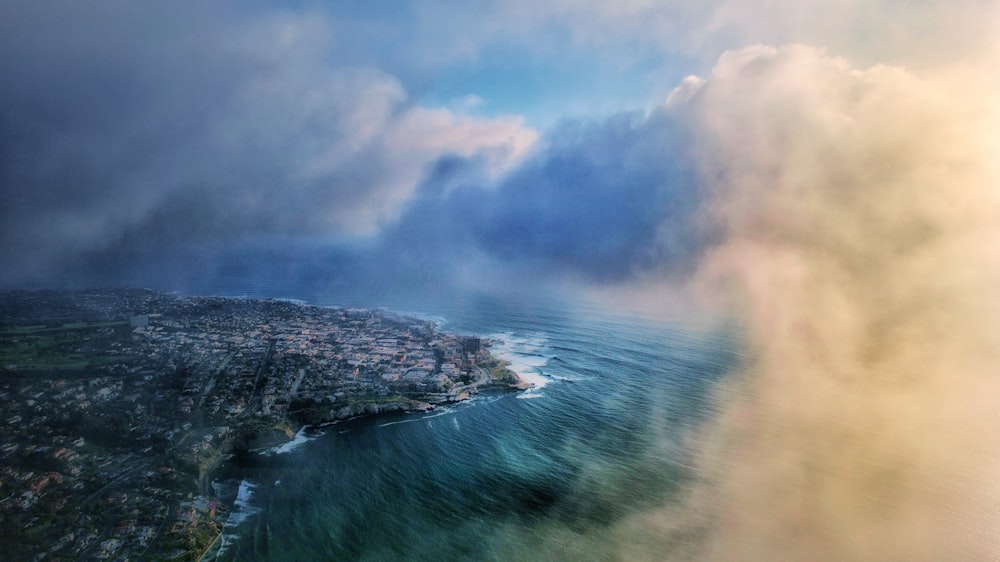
column 119, row 403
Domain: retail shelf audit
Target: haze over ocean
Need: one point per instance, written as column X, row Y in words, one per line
column 802, row 199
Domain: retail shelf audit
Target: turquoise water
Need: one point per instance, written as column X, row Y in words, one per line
column 564, row 471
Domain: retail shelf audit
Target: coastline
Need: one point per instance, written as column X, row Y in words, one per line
column 290, row 430
column 194, row 381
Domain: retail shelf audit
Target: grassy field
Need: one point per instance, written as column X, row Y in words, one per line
column 68, row 347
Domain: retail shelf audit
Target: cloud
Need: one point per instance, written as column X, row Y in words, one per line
column 595, row 202
column 913, row 34
column 854, row 239
column 592, row 201
column 604, row 201
column 843, row 209
column 127, row 129
column 857, row 213
column 886, row 31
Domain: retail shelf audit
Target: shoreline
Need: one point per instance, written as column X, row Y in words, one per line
column 294, row 431
column 207, row 555
column 192, row 382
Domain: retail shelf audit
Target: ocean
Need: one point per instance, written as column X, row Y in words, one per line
column 575, row 468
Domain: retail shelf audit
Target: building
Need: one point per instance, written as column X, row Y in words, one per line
column 472, row 345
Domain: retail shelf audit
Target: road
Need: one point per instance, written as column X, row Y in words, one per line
column 484, row 377
column 255, row 395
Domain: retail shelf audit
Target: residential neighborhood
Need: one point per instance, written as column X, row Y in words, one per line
column 119, row 404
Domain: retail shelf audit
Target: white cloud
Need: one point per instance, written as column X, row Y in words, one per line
column 858, row 244
column 894, row 31
column 687, row 89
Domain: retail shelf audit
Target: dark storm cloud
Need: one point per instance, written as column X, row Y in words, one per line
column 126, row 130
column 607, row 200
column 602, row 201
column 200, row 140
column 599, row 202
column 112, row 114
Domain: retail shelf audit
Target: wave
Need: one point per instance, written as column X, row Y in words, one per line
column 299, row 439
column 243, row 509
column 527, row 354
column 438, row 320
column 439, row 411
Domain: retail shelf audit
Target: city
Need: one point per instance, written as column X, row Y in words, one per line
column 119, row 404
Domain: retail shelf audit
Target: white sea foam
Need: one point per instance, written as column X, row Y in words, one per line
column 438, row 320
column 529, row 394
column 527, row 354
column 243, row 508
column 439, row 411
column 299, row 439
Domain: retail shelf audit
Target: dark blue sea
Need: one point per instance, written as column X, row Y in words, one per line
column 581, row 467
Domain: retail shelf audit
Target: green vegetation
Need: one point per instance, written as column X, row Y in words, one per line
column 68, row 347
column 312, row 413
column 371, row 399
column 499, row 371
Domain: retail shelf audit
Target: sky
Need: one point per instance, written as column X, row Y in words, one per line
column 825, row 173
column 376, row 142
